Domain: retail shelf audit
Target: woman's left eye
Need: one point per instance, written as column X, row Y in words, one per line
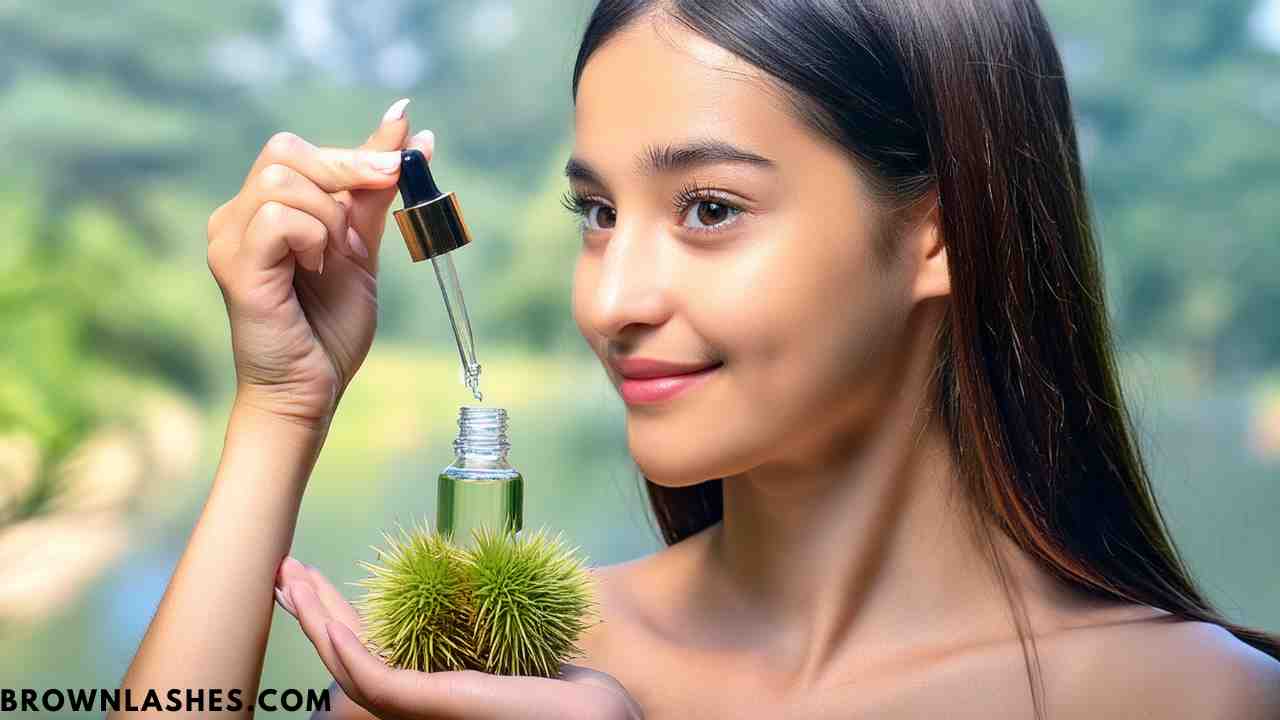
column 710, row 213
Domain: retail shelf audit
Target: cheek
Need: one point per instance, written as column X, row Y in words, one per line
column 809, row 303
column 813, row 327
column 807, row 329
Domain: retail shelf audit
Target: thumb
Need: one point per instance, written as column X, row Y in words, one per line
column 367, row 213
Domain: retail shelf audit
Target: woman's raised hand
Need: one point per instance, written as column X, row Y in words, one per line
column 331, row 624
column 295, row 254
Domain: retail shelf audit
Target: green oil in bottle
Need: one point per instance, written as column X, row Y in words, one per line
column 465, row 504
column 480, row 487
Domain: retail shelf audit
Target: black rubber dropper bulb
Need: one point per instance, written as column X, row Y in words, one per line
column 431, row 219
column 416, row 184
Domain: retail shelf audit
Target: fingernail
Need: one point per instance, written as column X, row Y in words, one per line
column 292, row 562
column 337, row 243
column 320, row 267
column 357, row 245
column 395, row 112
column 285, row 602
column 422, row 137
column 387, row 162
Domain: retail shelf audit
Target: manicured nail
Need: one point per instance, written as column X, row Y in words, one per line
column 286, row 602
column 422, row 138
column 341, row 247
column 357, row 244
column 387, row 162
column 395, row 112
column 293, row 563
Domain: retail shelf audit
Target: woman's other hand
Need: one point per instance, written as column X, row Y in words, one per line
column 331, row 624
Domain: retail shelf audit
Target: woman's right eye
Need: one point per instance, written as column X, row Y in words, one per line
column 584, row 206
column 604, row 214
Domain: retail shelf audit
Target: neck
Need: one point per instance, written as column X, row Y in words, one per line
column 860, row 547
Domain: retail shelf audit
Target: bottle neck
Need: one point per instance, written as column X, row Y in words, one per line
column 482, row 432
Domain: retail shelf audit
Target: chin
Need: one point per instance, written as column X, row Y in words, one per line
column 671, row 470
column 703, row 440
column 672, row 460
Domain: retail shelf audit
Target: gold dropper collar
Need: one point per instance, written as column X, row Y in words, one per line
column 431, row 221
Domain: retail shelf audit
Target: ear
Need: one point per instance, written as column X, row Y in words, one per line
column 933, row 279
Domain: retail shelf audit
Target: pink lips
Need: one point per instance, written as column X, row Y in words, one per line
column 648, row 390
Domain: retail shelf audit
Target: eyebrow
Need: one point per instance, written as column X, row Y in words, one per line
column 655, row 160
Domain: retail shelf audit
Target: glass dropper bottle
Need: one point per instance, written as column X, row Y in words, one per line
column 432, row 225
column 480, row 488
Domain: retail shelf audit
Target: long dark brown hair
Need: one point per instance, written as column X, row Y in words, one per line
column 969, row 100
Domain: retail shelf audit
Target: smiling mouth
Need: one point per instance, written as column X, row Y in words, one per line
column 652, row 390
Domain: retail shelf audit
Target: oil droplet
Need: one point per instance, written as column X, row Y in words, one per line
column 473, row 381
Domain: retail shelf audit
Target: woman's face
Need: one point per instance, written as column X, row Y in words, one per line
column 771, row 271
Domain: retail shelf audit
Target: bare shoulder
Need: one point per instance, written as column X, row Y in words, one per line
column 1166, row 667
column 616, row 608
column 641, row 597
column 637, row 603
column 1215, row 673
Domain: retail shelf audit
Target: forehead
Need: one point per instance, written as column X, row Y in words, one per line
column 656, row 81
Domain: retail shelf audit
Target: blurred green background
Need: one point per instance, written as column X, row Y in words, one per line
column 123, row 125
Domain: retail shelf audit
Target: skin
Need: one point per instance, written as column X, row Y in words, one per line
column 842, row 581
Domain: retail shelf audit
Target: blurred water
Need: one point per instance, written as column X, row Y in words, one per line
column 572, row 449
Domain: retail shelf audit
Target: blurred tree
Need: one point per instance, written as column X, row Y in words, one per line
column 124, row 125
column 1178, row 105
column 107, row 113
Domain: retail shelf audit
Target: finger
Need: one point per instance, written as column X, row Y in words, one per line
column 586, row 676
column 389, row 135
column 391, row 130
column 334, row 603
column 291, row 569
column 342, row 705
column 312, row 617
column 390, row 691
column 369, row 206
column 332, row 168
column 466, row 694
column 275, row 231
column 424, row 140
column 287, row 186
column 289, row 149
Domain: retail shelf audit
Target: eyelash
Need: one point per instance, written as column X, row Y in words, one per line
column 580, row 204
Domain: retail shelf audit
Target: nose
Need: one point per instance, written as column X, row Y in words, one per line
column 633, row 282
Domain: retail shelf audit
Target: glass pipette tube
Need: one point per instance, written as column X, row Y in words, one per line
column 451, row 290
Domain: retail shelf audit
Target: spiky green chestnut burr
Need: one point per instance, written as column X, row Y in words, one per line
column 416, row 608
column 532, row 598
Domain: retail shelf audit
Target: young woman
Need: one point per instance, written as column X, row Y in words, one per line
column 898, row 478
